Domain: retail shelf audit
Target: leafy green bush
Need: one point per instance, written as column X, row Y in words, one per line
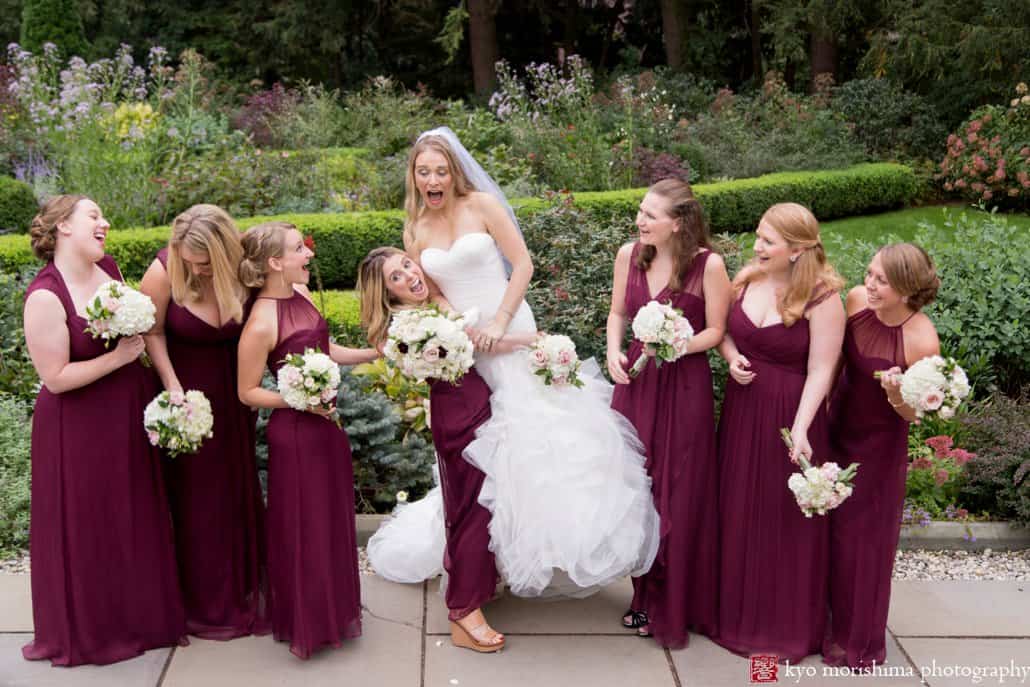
column 888, row 120
column 15, row 449
column 342, row 311
column 999, row 476
column 17, row 375
column 344, row 239
column 17, row 205
column 53, row 21
column 983, row 304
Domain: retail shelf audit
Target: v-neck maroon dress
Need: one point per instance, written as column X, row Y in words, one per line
column 215, row 495
column 104, row 584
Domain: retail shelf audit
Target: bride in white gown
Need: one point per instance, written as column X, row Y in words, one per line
column 570, row 501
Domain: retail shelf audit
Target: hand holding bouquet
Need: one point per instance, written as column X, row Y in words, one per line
column 934, row 385
column 425, row 343
column 118, row 310
column 819, row 489
column 552, row 357
column 664, row 331
column 178, row 422
column 310, row 380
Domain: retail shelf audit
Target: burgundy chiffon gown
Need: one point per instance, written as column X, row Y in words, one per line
column 671, row 408
column 457, row 410
column 214, row 494
column 104, row 584
column 774, row 560
column 315, row 598
column 864, row 529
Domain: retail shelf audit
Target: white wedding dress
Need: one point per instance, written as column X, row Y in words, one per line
column 570, row 501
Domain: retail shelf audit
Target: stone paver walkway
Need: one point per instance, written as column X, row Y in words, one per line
column 954, row 631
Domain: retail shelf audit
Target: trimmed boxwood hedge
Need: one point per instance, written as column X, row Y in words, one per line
column 342, row 311
column 343, row 239
column 17, row 205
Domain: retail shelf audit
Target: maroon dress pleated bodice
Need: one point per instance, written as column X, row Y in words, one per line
column 104, row 583
column 773, row 559
column 864, row 529
column 315, row 597
column 672, row 409
column 214, row 494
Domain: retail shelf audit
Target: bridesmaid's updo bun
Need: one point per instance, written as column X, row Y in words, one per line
column 43, row 230
column 910, row 271
column 261, row 242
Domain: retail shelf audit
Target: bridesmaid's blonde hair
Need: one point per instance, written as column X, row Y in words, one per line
column 413, row 205
column 377, row 304
column 208, row 230
column 810, row 273
column 260, row 243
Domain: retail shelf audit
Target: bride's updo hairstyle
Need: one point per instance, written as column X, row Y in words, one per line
column 811, row 274
column 910, row 271
column 685, row 210
column 377, row 304
column 413, row 205
column 261, row 242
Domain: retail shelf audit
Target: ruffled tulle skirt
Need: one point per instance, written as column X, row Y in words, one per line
column 570, row 500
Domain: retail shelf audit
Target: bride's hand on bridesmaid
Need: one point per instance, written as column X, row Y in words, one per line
column 488, row 335
column 740, row 370
column 617, row 363
column 129, row 348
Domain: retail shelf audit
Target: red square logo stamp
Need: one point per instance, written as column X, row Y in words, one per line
column 764, row 669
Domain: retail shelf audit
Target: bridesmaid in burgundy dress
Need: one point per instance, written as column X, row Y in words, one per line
column 782, row 343
column 389, row 280
column 104, row 585
column 315, row 599
column 214, row 494
column 672, row 409
column 869, row 424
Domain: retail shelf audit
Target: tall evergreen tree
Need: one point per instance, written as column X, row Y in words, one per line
column 53, row 21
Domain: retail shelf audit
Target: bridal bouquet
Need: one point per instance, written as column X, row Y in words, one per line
column 662, row 329
column 934, row 385
column 425, row 343
column 819, row 489
column 309, row 379
column 552, row 357
column 178, row 422
column 119, row 310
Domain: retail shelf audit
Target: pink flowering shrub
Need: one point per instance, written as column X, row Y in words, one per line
column 935, row 474
column 988, row 157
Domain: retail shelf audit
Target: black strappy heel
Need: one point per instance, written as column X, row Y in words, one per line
column 637, row 619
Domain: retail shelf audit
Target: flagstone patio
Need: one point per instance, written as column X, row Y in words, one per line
column 950, row 630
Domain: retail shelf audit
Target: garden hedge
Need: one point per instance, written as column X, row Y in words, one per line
column 17, row 205
column 343, row 239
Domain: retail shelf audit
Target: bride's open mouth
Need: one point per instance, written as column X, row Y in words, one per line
column 434, row 197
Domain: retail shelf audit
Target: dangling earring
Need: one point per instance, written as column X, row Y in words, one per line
column 793, row 258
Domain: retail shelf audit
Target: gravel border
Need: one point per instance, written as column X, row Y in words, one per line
column 908, row 565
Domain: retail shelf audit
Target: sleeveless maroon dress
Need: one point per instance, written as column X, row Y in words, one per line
column 315, row 598
column 774, row 560
column 104, row 584
column 457, row 411
column 864, row 529
column 214, row 494
column 672, row 409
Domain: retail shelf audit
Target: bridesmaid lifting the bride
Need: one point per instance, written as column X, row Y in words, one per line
column 563, row 478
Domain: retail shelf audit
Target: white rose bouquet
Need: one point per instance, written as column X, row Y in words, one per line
column 119, row 310
column 552, row 357
column 934, row 385
column 819, row 489
column 309, row 379
column 178, row 422
column 425, row 343
column 662, row 329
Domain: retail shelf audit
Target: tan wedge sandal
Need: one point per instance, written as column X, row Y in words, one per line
column 466, row 639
